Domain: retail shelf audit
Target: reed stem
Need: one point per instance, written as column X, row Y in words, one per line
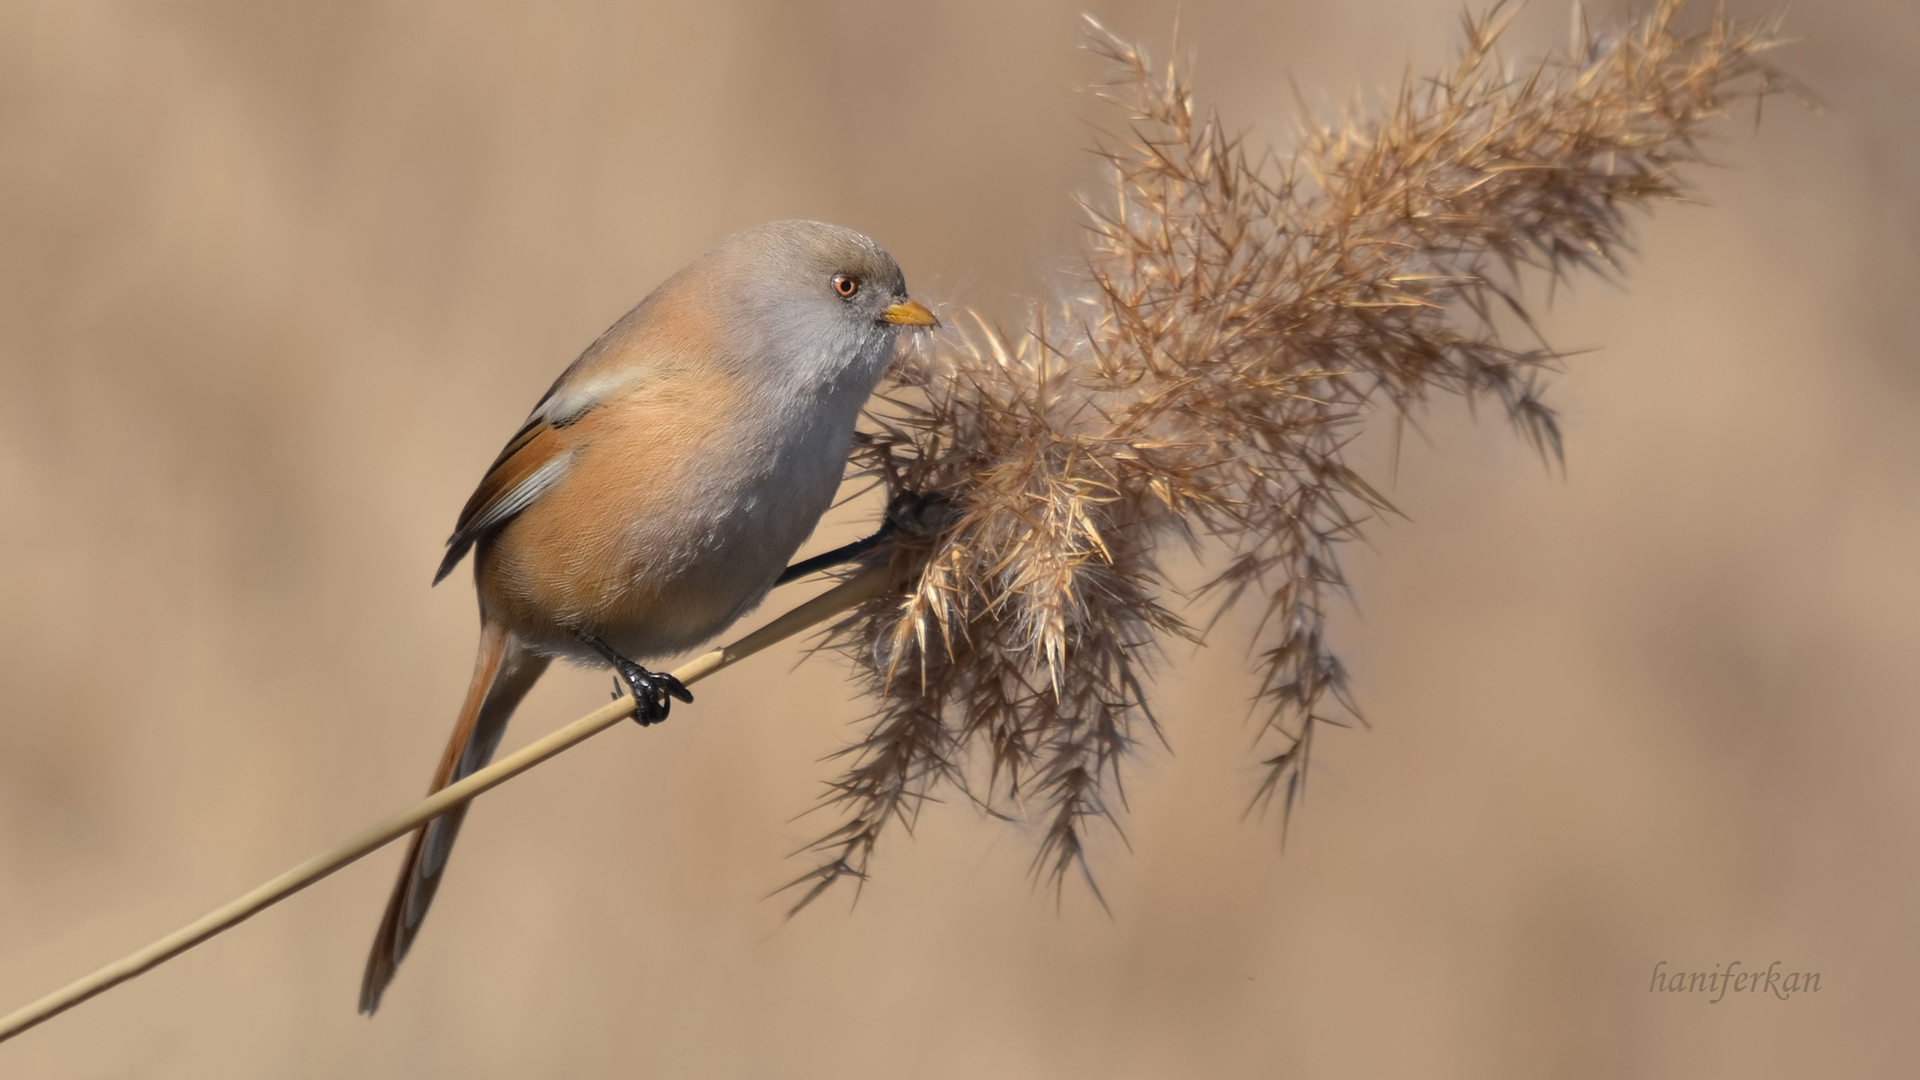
column 836, row 601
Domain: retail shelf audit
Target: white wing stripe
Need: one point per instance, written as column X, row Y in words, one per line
column 520, row 496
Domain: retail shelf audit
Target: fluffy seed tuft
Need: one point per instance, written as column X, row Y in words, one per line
column 1238, row 316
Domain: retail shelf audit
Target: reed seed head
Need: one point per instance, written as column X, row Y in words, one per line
column 1237, row 316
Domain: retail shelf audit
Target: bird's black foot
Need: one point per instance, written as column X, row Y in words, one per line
column 652, row 691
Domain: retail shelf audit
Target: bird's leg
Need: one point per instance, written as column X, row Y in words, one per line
column 651, row 689
column 846, row 553
column 908, row 510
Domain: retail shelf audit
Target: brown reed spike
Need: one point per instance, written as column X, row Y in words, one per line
column 1238, row 316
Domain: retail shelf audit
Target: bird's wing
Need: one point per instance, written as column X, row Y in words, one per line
column 536, row 458
column 532, row 462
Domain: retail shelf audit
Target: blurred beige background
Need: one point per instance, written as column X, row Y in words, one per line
column 276, row 280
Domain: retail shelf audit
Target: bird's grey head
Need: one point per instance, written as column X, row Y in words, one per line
column 825, row 301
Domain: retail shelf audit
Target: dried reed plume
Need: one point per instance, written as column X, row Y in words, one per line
column 1239, row 315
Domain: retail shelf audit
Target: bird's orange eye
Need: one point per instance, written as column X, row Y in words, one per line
column 845, row 285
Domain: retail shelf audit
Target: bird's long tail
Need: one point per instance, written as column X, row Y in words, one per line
column 502, row 674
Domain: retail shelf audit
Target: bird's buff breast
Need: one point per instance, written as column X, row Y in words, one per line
column 674, row 518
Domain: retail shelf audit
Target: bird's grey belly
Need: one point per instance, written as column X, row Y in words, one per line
column 718, row 561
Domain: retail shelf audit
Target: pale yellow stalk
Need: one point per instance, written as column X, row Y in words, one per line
column 843, row 597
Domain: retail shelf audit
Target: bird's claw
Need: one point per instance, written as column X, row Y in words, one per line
column 652, row 691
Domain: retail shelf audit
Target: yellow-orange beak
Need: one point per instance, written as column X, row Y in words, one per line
column 908, row 313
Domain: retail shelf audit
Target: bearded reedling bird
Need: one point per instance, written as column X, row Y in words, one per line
column 657, row 491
